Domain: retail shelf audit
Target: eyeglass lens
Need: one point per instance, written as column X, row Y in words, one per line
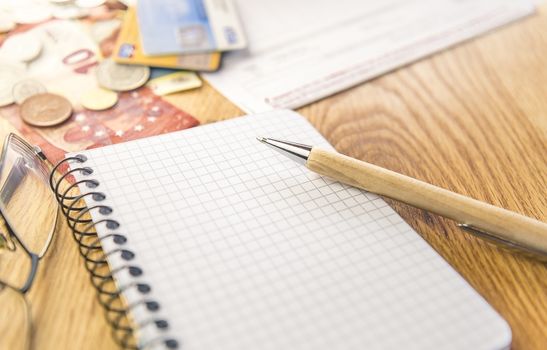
column 15, row 325
column 28, row 207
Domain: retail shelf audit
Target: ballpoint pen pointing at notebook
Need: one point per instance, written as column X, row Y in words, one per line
column 484, row 220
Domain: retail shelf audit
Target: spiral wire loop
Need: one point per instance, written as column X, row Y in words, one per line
column 109, row 295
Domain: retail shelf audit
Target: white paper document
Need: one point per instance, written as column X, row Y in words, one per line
column 301, row 51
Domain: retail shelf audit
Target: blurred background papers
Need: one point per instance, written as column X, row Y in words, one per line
column 301, row 51
column 95, row 56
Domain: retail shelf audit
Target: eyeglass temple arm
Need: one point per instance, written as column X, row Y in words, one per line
column 34, row 259
column 33, row 268
column 39, row 152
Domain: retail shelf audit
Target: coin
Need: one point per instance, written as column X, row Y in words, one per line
column 10, row 74
column 69, row 11
column 174, row 82
column 6, row 24
column 22, row 47
column 32, row 14
column 121, row 77
column 45, row 109
column 25, row 89
column 99, row 99
column 89, row 3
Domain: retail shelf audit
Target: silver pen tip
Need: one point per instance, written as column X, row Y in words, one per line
column 295, row 151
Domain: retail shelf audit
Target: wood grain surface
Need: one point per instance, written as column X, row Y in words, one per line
column 471, row 119
column 515, row 229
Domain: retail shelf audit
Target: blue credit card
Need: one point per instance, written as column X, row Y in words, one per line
column 189, row 26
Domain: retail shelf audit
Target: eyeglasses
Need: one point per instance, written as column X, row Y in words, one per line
column 29, row 213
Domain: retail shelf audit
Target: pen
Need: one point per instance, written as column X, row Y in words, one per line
column 487, row 221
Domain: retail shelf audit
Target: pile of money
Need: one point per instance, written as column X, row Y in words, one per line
column 61, row 91
column 23, row 52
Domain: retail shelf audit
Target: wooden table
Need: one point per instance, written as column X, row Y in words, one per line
column 472, row 119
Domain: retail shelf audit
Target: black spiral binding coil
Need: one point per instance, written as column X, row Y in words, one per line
column 83, row 230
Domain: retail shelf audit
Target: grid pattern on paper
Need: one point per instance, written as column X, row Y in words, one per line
column 246, row 249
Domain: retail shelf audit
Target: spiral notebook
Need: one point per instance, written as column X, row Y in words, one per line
column 238, row 247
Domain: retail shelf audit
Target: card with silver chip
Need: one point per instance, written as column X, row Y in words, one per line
column 189, row 26
column 128, row 50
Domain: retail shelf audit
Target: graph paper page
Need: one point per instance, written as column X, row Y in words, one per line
column 301, row 51
column 246, row 249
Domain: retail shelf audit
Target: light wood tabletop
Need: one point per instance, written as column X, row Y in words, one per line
column 471, row 119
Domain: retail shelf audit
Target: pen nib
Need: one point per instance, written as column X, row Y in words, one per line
column 296, row 151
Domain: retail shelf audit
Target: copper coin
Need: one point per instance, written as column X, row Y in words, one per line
column 45, row 109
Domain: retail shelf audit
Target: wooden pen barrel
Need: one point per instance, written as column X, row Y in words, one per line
column 501, row 224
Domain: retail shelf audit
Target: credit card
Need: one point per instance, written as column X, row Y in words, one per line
column 189, row 26
column 128, row 50
column 175, row 82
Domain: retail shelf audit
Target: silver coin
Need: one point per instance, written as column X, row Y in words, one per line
column 69, row 11
column 121, row 77
column 10, row 74
column 25, row 89
column 61, row 2
column 32, row 14
column 6, row 24
column 22, row 47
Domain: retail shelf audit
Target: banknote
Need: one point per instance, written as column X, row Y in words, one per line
column 189, row 26
column 128, row 50
column 66, row 66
